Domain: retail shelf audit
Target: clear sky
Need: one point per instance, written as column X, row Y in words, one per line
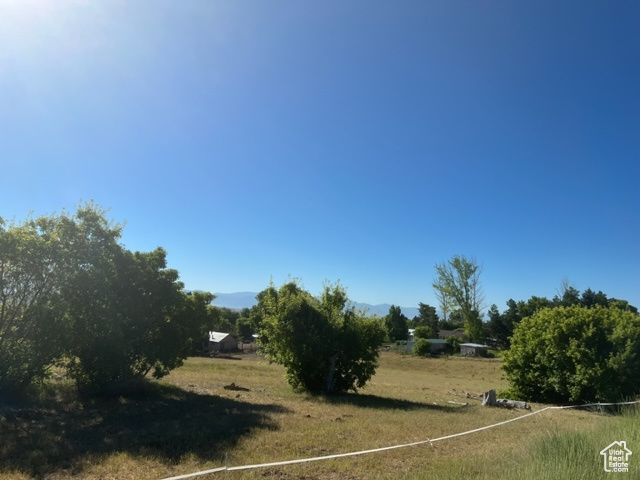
column 362, row 140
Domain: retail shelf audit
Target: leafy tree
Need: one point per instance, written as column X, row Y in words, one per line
column 31, row 271
column 324, row 344
column 575, row 354
column 71, row 290
column 125, row 310
column 622, row 305
column 422, row 347
column 496, row 328
column 459, row 280
column 397, row 324
column 446, row 301
column 454, row 322
column 203, row 315
column 244, row 329
column 590, row 298
column 427, row 316
column 422, row 331
column 500, row 326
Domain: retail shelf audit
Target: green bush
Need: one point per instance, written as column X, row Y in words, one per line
column 324, row 344
column 453, row 344
column 575, row 354
column 421, row 331
column 422, row 347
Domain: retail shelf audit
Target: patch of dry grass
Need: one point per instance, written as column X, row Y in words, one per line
column 189, row 421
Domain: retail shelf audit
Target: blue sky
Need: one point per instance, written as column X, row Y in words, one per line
column 362, row 141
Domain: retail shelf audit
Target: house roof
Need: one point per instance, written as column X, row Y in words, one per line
column 218, row 336
column 451, row 333
column 474, row 345
column 436, row 340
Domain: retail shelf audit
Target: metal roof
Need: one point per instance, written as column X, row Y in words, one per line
column 217, row 336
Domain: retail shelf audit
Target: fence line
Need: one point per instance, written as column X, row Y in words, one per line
column 391, row 447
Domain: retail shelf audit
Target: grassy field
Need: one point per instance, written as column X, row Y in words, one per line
column 189, row 422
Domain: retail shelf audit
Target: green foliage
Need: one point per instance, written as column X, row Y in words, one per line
column 397, row 324
column 572, row 354
column 422, row 347
column 244, row 329
column 71, row 290
column 428, row 317
column 422, row 331
column 32, row 267
column 453, row 344
column 458, row 281
column 324, row 344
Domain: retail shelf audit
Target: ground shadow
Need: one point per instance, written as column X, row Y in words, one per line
column 375, row 401
column 47, row 436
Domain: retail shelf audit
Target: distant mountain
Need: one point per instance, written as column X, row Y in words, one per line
column 239, row 300
column 383, row 309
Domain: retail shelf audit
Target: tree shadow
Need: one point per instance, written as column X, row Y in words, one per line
column 45, row 436
column 375, row 401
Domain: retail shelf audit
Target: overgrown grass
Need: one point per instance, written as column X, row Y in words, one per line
column 190, row 422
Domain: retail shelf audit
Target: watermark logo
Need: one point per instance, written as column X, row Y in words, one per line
column 616, row 457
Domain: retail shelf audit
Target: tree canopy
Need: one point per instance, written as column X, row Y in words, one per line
column 397, row 324
column 575, row 353
column 457, row 285
column 324, row 344
column 71, row 293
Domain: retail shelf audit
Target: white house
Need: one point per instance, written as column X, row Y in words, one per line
column 222, row 342
column 473, row 349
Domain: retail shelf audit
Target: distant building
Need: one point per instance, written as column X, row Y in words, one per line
column 473, row 349
column 221, row 343
column 453, row 333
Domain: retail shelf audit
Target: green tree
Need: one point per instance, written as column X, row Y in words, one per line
column 71, row 290
column 31, row 328
column 244, row 329
column 575, row 354
column 459, row 280
column 428, row 317
column 125, row 310
column 397, row 324
column 203, row 315
column 324, row 344
column 422, row 331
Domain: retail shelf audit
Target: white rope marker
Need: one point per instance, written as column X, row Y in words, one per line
column 382, row 449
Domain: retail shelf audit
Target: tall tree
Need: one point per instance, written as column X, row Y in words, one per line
column 397, row 324
column 459, row 280
column 428, row 317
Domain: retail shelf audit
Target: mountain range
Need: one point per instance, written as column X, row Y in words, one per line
column 239, row 300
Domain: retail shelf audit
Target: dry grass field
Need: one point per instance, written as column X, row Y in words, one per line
column 189, row 422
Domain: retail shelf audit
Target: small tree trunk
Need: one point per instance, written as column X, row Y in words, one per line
column 332, row 370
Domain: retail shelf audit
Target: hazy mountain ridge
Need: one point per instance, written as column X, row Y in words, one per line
column 239, row 300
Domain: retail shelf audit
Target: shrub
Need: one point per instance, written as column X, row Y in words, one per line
column 453, row 344
column 422, row 347
column 324, row 344
column 575, row 354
